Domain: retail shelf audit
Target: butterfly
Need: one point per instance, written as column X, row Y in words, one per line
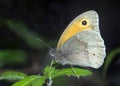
column 81, row 43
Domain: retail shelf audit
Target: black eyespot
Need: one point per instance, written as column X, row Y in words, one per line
column 94, row 54
column 84, row 22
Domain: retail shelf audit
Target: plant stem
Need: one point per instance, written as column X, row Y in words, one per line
column 49, row 83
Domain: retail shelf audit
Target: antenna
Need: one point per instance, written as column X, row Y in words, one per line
column 45, row 43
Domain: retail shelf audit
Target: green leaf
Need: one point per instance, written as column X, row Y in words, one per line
column 12, row 75
column 48, row 70
column 27, row 81
column 109, row 59
column 77, row 72
column 10, row 57
column 39, row 82
column 51, row 72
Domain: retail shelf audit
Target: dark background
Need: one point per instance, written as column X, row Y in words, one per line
column 48, row 18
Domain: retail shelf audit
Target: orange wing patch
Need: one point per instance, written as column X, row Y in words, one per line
column 72, row 29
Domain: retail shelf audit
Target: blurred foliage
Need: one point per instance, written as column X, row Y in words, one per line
column 28, row 36
column 61, row 81
column 12, row 75
column 31, row 80
column 12, row 57
column 109, row 59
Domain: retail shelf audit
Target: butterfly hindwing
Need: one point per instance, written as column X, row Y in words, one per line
column 83, row 50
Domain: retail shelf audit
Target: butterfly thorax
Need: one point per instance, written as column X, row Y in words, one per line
column 58, row 56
